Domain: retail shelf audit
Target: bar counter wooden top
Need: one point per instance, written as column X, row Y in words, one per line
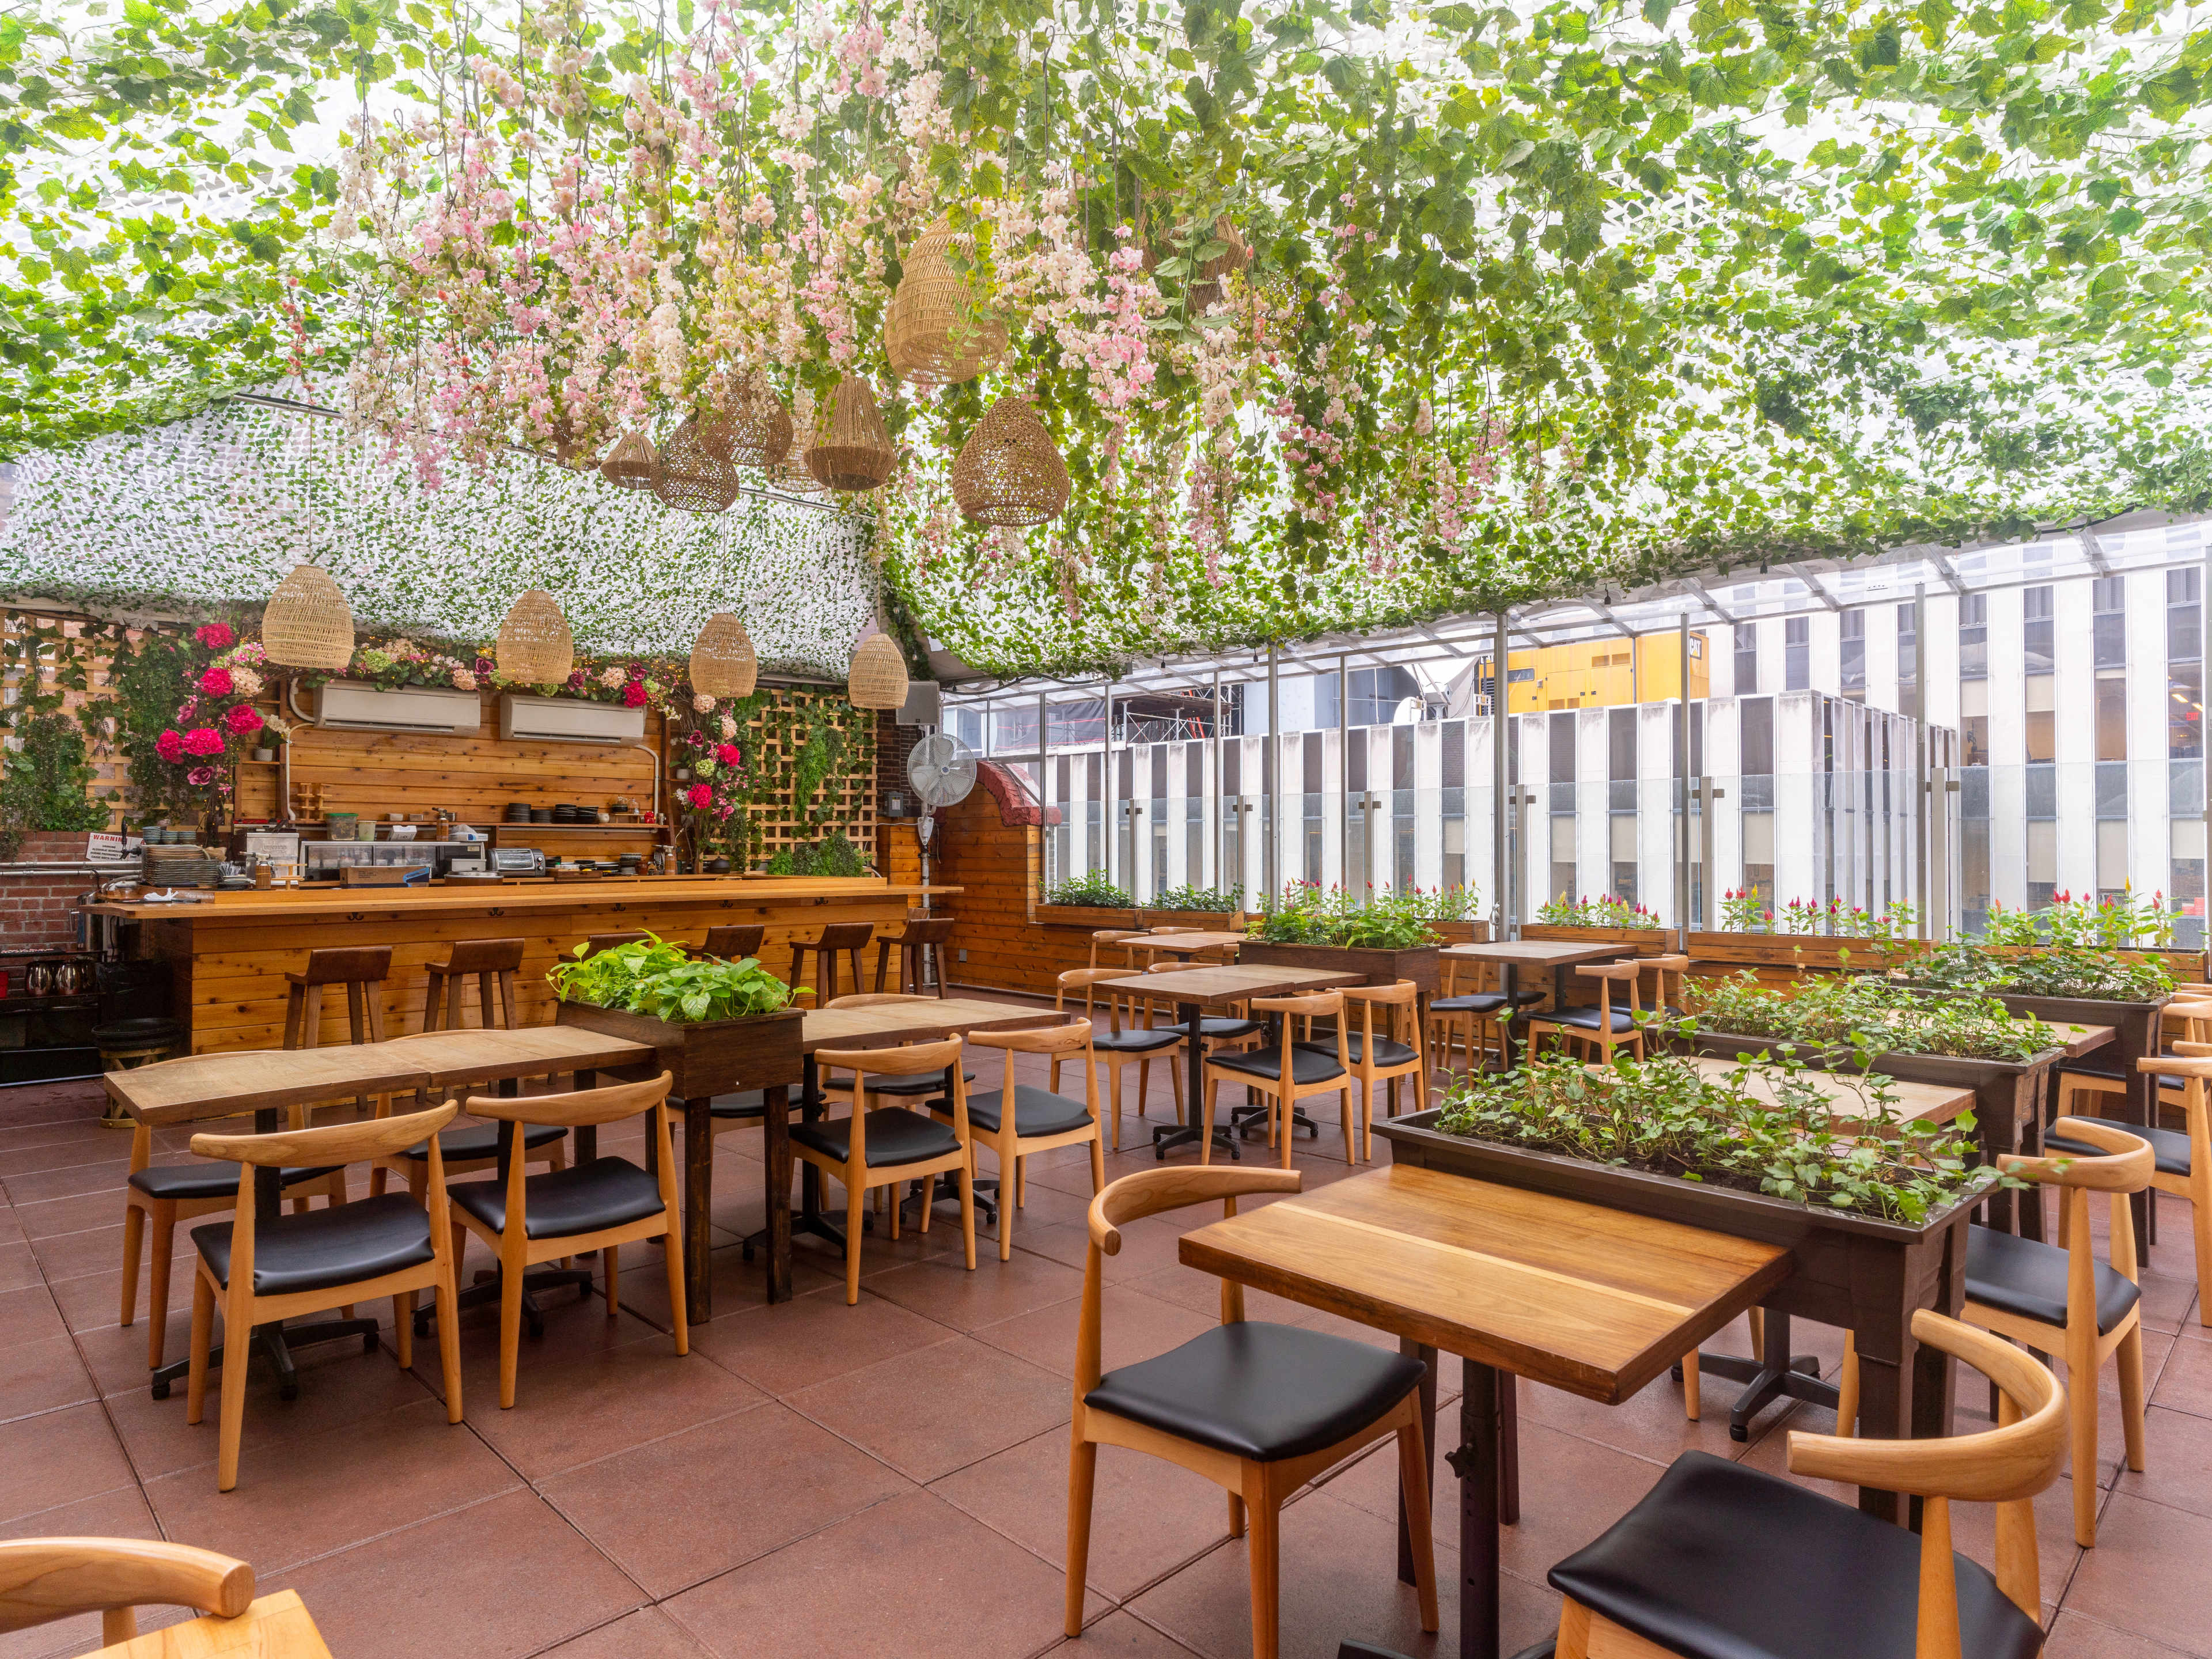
column 228, row 953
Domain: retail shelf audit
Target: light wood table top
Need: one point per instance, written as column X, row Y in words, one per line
column 931, row 1017
column 274, row 1627
column 1183, row 944
column 1538, row 952
column 481, row 1056
column 2080, row 1040
column 1592, row 1300
column 1933, row 1103
column 1210, row 987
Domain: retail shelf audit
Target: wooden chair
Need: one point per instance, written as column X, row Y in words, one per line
column 1113, row 936
column 2060, row 1298
column 1376, row 1058
column 362, row 969
column 733, row 941
column 1721, row 1561
column 1312, row 1071
column 493, row 963
column 2081, row 1080
column 595, row 943
column 925, row 1087
column 1259, row 1409
column 468, row 1150
column 1666, row 1000
column 1025, row 1119
column 600, row 1206
column 269, row 1270
column 2183, row 1158
column 898, row 1145
column 850, row 937
column 1603, row 1027
column 1475, row 1016
column 43, row 1579
column 1120, row 1045
column 918, row 947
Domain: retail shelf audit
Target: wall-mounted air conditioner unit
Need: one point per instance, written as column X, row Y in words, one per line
column 410, row 708
column 568, row 720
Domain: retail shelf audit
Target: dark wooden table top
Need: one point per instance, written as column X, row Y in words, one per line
column 1586, row 1298
column 1210, row 987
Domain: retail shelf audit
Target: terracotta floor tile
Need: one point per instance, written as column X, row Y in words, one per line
column 112, row 1147
column 648, row 1633
column 944, row 1290
column 938, row 1409
column 787, row 1345
column 2169, row 1289
column 56, row 1129
column 2177, row 1463
column 1146, row 1248
column 1201, row 1294
column 19, row 1267
column 677, row 1510
column 913, row 1577
column 2185, row 1382
column 100, row 1250
column 738, row 1284
column 585, row 1409
column 39, row 1376
column 2074, row 1636
column 499, row 1579
column 56, row 1216
column 58, row 1457
column 29, row 1316
column 76, row 1181
column 2150, row 1574
column 1122, row 1636
column 304, row 1497
column 1132, row 1327
column 1148, row 1517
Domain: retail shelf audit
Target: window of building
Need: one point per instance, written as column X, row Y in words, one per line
column 1973, row 636
column 1908, row 660
column 1563, row 859
column 2108, row 599
column 2112, row 716
column 1758, row 854
column 2035, row 608
column 1797, row 653
column 1747, row 658
column 2185, row 711
column 1853, row 626
column 1974, row 722
column 2185, row 621
column 2041, row 712
column 1623, row 855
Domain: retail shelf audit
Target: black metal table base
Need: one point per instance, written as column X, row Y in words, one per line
column 1794, row 1377
column 484, row 1292
column 1166, row 1137
column 275, row 1344
column 1246, row 1118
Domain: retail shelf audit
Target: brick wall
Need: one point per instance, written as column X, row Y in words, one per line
column 894, row 742
column 36, row 902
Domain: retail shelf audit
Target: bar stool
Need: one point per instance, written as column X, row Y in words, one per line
column 494, row 962
column 595, row 943
column 732, row 941
column 362, row 968
column 925, row 938
column 849, row 937
column 125, row 1044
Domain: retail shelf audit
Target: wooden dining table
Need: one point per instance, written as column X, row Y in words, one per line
column 1913, row 1103
column 274, row 1627
column 1595, row 1301
column 1185, row 945
column 1512, row 956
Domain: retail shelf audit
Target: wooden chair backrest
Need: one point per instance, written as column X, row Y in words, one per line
column 346, row 964
column 609, row 1103
column 929, row 930
column 732, row 941
column 1400, row 994
column 2192, row 1063
column 361, row 1142
column 1179, row 930
column 911, row 1061
column 840, row 936
column 2127, row 1166
column 483, row 955
column 2006, row 1466
column 1083, row 979
column 2193, row 1015
column 1661, row 968
column 1036, row 1039
column 1610, row 974
column 1149, row 1192
column 1315, row 1005
column 1114, row 935
column 595, row 943
column 42, row 1579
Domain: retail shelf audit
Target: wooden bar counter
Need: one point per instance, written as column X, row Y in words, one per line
column 228, row 953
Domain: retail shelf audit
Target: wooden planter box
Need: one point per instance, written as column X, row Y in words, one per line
column 1850, row 1271
column 1463, row 933
column 2184, row 967
column 1795, row 953
column 714, row 1057
column 1214, row 921
column 1418, row 964
column 1643, row 941
column 1088, row 917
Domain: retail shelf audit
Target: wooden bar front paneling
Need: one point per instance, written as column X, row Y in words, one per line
column 228, row 956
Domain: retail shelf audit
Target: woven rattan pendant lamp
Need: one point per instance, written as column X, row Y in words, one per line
column 722, row 660
column 692, row 477
column 631, row 463
column 851, row 451
column 878, row 676
column 534, row 647
column 307, row 623
column 749, row 427
column 931, row 333
column 1008, row 473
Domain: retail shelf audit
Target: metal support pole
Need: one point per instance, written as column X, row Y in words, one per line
column 1682, row 792
column 1924, row 751
column 1113, row 814
column 1499, row 852
column 1344, row 775
column 1271, row 781
column 1044, row 795
column 1220, row 799
column 2204, row 738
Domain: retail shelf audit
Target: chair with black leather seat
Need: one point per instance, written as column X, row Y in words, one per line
column 848, row 938
column 880, row 1145
column 267, row 1269
column 468, row 1150
column 1721, row 1561
column 1234, row 1029
column 600, row 1206
column 2189, row 1020
column 1259, row 1409
column 1313, row 1069
column 1475, row 1017
column 1116, row 936
column 1376, row 1057
column 43, row 1579
column 158, row 1196
column 2183, row 1158
column 1023, row 1119
column 896, row 1088
column 1604, row 1025
column 732, row 941
column 1125, row 1041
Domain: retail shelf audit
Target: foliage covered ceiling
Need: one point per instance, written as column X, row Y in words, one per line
column 1539, row 297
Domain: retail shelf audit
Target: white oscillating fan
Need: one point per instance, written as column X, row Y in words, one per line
column 942, row 770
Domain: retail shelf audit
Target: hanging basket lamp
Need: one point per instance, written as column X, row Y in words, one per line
column 931, row 332
column 878, row 678
column 793, row 478
column 851, row 451
column 534, row 647
column 692, row 477
column 722, row 660
column 1008, row 473
column 632, row 464
column 751, row 428
column 307, row 624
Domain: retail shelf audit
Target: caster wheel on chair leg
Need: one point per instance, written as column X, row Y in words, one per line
column 161, row 1390
column 1738, row 1433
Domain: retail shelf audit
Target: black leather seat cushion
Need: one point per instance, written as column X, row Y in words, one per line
column 1213, row 1026
column 2169, row 1148
column 1036, row 1112
column 562, row 1203
column 1722, row 1561
column 1259, row 1390
column 133, row 1033
column 1588, row 1019
column 1388, row 1051
column 747, row 1103
column 905, row 1088
column 1481, row 1002
column 365, row 1239
column 1135, row 1043
column 2020, row 1276
column 895, row 1135
column 208, row 1177
column 482, row 1140
column 2111, row 1071
column 1307, row 1065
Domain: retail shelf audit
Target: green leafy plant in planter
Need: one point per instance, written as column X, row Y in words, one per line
column 1187, row 898
column 1609, row 911
column 2082, row 921
column 1305, row 913
column 654, row 977
column 1836, row 1011
column 833, row 856
column 1091, row 889
column 47, row 783
column 1666, row 1117
column 2058, row 970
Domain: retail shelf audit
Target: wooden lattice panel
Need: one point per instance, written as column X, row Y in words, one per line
column 774, row 738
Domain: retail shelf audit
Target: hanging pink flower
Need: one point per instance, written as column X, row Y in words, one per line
column 700, row 796
column 200, row 776
column 187, row 708
column 728, row 754
column 243, row 720
column 170, row 746
column 633, row 695
column 216, row 636
column 577, row 680
column 215, row 683
column 204, row 740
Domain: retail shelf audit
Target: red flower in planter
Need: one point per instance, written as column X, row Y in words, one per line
column 633, row 695
column 216, row 683
column 243, row 720
column 203, row 741
column 700, row 796
column 729, row 754
column 170, row 746
column 216, row 636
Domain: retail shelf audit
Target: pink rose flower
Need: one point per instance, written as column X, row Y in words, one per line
column 243, row 720
column 200, row 776
column 700, row 796
column 633, row 695
column 729, row 754
column 216, row 636
column 203, row 741
column 215, row 683
column 170, row 746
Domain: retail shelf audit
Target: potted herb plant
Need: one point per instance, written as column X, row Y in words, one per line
column 1087, row 901
column 716, row 1026
column 1610, row 920
column 1385, row 937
